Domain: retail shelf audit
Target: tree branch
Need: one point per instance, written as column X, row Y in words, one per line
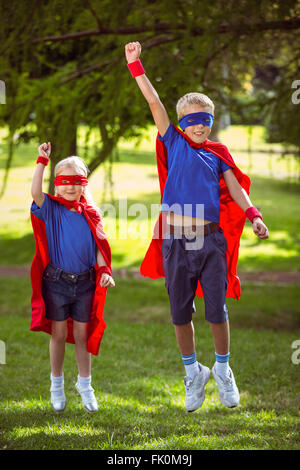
column 90, row 69
column 153, row 43
column 90, row 7
column 241, row 28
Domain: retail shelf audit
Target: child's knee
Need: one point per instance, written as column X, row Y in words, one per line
column 80, row 332
column 59, row 331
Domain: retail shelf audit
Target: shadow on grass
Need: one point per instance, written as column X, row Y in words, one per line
column 144, row 301
column 17, row 250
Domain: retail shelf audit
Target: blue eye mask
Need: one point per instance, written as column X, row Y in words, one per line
column 192, row 119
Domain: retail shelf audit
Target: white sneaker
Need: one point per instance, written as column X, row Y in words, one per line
column 88, row 398
column 194, row 389
column 228, row 391
column 58, row 400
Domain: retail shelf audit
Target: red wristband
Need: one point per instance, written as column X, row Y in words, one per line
column 105, row 269
column 136, row 68
column 252, row 212
column 43, row 160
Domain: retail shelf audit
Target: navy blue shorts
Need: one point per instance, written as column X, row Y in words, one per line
column 67, row 294
column 184, row 267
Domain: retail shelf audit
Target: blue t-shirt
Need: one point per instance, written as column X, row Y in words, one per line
column 71, row 244
column 193, row 178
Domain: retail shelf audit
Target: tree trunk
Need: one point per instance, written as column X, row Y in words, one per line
column 63, row 144
column 108, row 144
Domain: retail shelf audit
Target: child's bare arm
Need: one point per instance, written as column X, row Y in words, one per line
column 159, row 113
column 106, row 280
column 100, row 259
column 240, row 196
column 37, row 180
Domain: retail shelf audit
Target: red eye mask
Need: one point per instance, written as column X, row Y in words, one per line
column 62, row 180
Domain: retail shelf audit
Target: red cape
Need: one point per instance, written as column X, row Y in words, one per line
column 232, row 217
column 39, row 322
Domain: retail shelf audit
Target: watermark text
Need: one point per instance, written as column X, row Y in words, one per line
column 296, row 94
column 2, row 92
column 2, row 352
column 296, row 354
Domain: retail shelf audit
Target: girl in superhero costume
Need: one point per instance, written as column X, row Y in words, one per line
column 70, row 272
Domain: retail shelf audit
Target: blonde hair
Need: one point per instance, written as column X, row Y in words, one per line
column 194, row 98
column 78, row 165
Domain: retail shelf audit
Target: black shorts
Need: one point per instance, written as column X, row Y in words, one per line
column 67, row 294
column 184, row 267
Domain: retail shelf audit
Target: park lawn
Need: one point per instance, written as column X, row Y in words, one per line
column 138, row 376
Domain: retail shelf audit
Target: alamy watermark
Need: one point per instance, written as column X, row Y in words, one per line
column 134, row 222
column 296, row 354
column 2, row 92
column 2, row 353
column 296, row 94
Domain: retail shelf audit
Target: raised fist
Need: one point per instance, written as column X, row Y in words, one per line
column 132, row 51
column 45, row 150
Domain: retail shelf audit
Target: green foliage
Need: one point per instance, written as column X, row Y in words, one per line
column 56, row 81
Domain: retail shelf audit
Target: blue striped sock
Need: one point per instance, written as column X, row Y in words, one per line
column 222, row 364
column 190, row 364
column 224, row 358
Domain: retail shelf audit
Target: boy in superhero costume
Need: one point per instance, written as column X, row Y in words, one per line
column 205, row 202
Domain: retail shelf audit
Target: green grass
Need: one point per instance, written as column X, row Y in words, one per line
column 138, row 376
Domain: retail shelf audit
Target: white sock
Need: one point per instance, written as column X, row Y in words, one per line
column 84, row 383
column 57, row 382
